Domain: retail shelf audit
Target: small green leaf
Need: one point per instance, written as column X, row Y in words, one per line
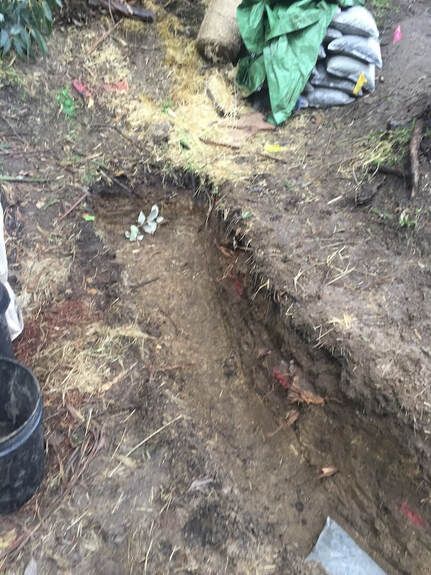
column 89, row 217
column 18, row 46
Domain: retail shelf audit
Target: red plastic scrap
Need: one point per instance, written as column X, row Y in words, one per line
column 238, row 285
column 398, row 35
column 120, row 86
column 282, row 378
column 414, row 518
column 81, row 89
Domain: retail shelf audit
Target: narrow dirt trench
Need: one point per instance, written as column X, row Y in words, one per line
column 251, row 480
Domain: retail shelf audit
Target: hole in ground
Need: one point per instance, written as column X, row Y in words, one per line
column 224, row 341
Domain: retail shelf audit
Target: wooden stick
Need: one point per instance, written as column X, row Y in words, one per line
column 210, row 142
column 72, row 207
column 273, row 158
column 414, row 155
column 119, row 183
column 141, row 443
column 23, row 180
column 103, row 37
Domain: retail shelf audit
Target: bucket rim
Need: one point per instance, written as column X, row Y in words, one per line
column 29, row 422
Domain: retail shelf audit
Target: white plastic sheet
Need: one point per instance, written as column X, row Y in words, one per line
column 338, row 554
column 13, row 312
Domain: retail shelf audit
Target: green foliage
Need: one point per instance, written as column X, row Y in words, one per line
column 66, row 102
column 24, row 24
column 409, row 219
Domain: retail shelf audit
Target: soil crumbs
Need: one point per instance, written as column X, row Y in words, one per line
column 172, row 446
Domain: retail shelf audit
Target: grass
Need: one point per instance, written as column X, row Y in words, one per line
column 379, row 8
column 409, row 219
column 389, row 148
column 377, row 5
column 9, row 76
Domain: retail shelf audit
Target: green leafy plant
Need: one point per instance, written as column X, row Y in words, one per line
column 66, row 102
column 24, row 24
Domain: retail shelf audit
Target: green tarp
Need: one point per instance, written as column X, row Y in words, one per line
column 283, row 39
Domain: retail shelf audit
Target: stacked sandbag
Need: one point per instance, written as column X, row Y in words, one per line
column 347, row 61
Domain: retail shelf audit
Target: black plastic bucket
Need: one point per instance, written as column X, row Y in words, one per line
column 21, row 435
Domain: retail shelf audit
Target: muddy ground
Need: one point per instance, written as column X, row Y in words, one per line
column 172, row 445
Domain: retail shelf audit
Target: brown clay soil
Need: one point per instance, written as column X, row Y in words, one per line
column 196, row 383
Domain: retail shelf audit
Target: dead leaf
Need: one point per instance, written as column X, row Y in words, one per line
column 252, row 123
column 75, row 413
column 298, row 395
column 291, row 417
column 7, row 539
column 226, row 252
column 328, row 471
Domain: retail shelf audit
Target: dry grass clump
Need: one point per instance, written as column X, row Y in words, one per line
column 91, row 362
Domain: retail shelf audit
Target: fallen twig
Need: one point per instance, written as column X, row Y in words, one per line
column 414, row 155
column 144, row 441
column 72, row 207
column 144, row 283
column 119, row 183
column 210, row 142
column 23, row 179
column 273, row 158
column 104, row 37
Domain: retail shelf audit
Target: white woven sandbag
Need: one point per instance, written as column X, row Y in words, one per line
column 326, row 98
column 351, row 69
column 322, row 79
column 367, row 49
column 356, row 20
column 332, row 34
